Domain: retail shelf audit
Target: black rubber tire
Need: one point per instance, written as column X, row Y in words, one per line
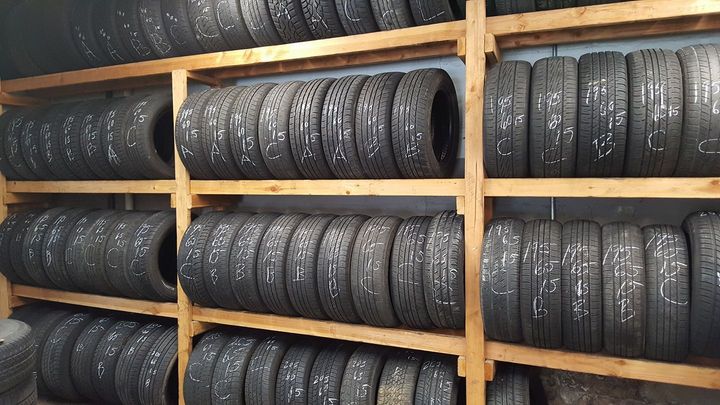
column 506, row 117
column 322, row 18
column 511, row 386
column 362, row 375
column 261, row 377
column 259, row 22
column 7, row 67
column 356, row 16
column 370, row 271
column 425, row 124
column 16, row 245
column 392, row 14
column 581, row 286
column 16, row 36
column 667, row 275
column 436, row 11
column 153, row 27
column 334, row 267
column 75, row 247
column 24, row 393
column 81, row 359
column 305, row 129
column 245, row 259
column 702, row 229
column 338, row 127
column 151, row 258
column 302, row 266
column 438, row 382
column 232, row 24
column 57, row 352
column 273, row 256
column 553, row 4
column 136, row 350
column 399, row 378
column 274, row 131
column 95, row 125
column 188, row 139
column 294, row 374
column 83, row 36
column 500, row 275
column 179, row 26
column 198, row 379
column 327, row 372
column 17, row 353
column 244, row 131
column 216, row 260
column 444, row 270
column 111, row 135
column 205, row 26
column 56, row 40
column 107, row 355
column 190, row 258
column 406, row 273
column 107, row 27
column 505, row 7
column 13, row 143
column 69, row 132
column 31, row 145
column 701, row 112
column 553, row 117
column 289, row 20
column 129, row 28
column 7, row 234
column 228, row 379
column 90, row 274
column 216, row 139
column 51, row 141
column 656, row 118
column 147, row 138
column 8, row 121
column 53, row 248
column 602, row 114
column 118, row 141
column 624, row 307
column 158, row 375
column 540, row 294
column 32, row 252
column 116, row 251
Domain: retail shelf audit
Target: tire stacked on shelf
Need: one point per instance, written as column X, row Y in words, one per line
column 90, row 356
column 108, row 252
column 386, row 126
column 382, row 271
column 79, row 34
column 17, row 363
column 650, row 113
column 505, row 7
column 239, row 366
column 632, row 292
column 123, row 138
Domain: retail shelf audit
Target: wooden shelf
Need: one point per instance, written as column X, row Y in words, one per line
column 164, row 309
column 401, row 187
column 443, row 341
column 637, row 369
column 377, row 47
column 608, row 21
column 658, row 187
column 93, row 187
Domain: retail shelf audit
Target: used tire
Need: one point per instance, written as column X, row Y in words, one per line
column 205, row 25
column 136, row 350
column 16, row 245
column 274, row 131
column 188, row 140
column 322, row 18
column 88, row 267
column 436, row 11
column 289, row 20
column 511, row 386
column 228, row 379
column 232, row 24
column 259, row 21
column 505, row 7
column 158, row 373
column 17, row 353
column 178, row 24
column 75, row 247
column 244, row 131
column 151, row 259
column 198, row 379
column 53, row 251
column 327, row 372
column 305, row 129
column 153, row 27
column 7, row 234
column 107, row 28
column 83, row 36
column 190, row 258
column 106, row 356
column 147, row 135
column 81, row 359
column 32, row 254
column 24, row 393
column 12, row 143
column 399, row 378
column 261, row 378
column 294, row 374
column 128, row 25
column 438, row 382
column 356, row 16
column 362, row 375
column 116, row 252
column 392, row 14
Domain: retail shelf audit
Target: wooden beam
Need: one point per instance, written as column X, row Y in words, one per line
column 205, row 79
column 198, row 328
column 19, row 100
column 493, row 53
column 461, row 366
column 447, row 342
column 637, row 369
column 25, row 198
column 460, row 205
column 489, row 370
column 202, row 201
column 401, row 187
column 16, row 301
column 93, row 187
column 659, row 187
column 164, row 309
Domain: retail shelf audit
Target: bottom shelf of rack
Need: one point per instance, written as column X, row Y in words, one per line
column 164, row 309
column 637, row 369
column 438, row 341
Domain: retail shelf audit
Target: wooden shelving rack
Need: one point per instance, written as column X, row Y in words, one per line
column 477, row 40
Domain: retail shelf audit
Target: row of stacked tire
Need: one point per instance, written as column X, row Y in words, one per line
column 239, row 366
column 652, row 113
column 504, row 7
column 119, row 138
column 84, row 355
column 109, row 252
column 79, row 34
column 383, row 271
column 652, row 292
column 17, row 363
column 390, row 125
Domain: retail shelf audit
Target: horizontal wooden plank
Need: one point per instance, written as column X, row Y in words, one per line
column 414, row 37
column 93, row 186
column 637, row 369
column 660, row 187
column 400, row 187
column 164, row 309
column 447, row 342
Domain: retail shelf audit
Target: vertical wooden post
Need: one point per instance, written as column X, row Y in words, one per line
column 474, row 203
column 183, row 217
column 5, row 287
